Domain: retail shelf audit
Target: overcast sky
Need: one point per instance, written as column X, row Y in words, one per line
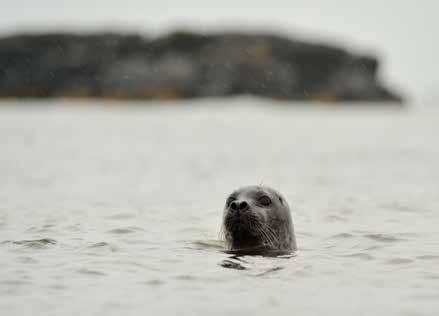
column 404, row 33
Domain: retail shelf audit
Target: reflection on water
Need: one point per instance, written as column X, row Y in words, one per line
column 117, row 210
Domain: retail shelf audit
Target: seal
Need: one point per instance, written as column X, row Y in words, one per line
column 257, row 220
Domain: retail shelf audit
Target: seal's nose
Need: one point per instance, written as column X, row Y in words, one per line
column 239, row 205
column 243, row 206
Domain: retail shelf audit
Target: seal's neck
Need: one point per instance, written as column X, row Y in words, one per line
column 241, row 239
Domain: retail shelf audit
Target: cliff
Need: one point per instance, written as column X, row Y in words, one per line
column 185, row 65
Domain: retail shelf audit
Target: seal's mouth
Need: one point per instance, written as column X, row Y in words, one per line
column 242, row 229
column 236, row 222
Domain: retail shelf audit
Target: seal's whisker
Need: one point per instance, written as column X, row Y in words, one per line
column 265, row 232
column 222, row 233
column 269, row 233
column 267, row 240
column 272, row 239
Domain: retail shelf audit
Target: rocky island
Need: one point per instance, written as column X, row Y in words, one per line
column 185, row 65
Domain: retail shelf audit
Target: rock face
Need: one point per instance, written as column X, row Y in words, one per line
column 184, row 65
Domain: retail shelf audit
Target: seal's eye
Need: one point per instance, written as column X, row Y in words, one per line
column 264, row 200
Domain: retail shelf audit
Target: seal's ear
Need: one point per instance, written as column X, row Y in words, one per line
column 281, row 200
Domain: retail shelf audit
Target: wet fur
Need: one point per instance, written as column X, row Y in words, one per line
column 260, row 228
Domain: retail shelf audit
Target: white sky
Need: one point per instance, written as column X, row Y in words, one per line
column 403, row 32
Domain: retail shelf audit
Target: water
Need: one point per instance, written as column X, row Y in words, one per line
column 110, row 210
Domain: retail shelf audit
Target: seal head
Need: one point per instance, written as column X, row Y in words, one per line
column 257, row 219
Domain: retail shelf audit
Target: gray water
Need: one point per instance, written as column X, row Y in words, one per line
column 112, row 209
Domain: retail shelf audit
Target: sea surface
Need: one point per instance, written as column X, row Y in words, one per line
column 115, row 208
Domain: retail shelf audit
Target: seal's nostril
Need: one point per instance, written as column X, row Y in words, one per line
column 234, row 205
column 243, row 205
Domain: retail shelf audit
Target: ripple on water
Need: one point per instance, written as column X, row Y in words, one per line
column 428, row 257
column 121, row 216
column 383, row 238
column 399, row 261
column 126, row 230
column 269, row 271
column 335, row 218
column 27, row 260
column 34, row 243
column 154, row 282
column 73, row 227
column 186, row 277
column 402, row 208
column 208, row 244
column 342, row 236
column 359, row 255
column 47, row 228
column 428, row 275
column 103, row 246
column 374, row 248
column 91, row 272
column 230, row 264
column 16, row 282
